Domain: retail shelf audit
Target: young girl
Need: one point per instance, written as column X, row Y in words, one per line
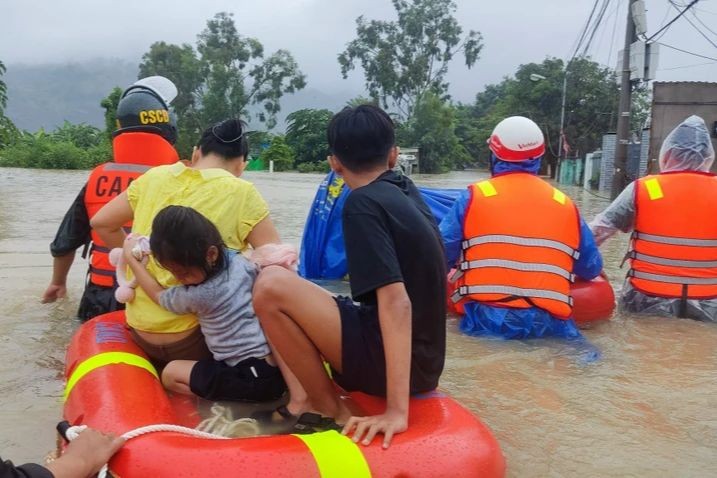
column 216, row 286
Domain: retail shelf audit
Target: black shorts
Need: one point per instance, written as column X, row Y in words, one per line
column 362, row 357
column 251, row 380
column 97, row 300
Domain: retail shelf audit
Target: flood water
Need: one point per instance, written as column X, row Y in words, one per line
column 647, row 407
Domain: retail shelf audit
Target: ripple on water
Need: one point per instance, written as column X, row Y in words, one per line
column 646, row 408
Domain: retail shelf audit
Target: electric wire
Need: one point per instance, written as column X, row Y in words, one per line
column 688, row 52
column 688, row 66
column 672, row 21
column 695, row 26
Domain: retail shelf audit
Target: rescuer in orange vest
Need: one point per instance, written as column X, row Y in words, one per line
column 517, row 243
column 146, row 132
column 673, row 216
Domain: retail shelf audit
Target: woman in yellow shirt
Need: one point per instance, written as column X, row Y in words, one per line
column 212, row 187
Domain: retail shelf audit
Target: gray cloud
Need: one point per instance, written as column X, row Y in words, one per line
column 515, row 32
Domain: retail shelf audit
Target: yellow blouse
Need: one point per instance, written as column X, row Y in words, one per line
column 232, row 204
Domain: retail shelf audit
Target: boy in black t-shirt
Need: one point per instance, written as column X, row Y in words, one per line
column 392, row 342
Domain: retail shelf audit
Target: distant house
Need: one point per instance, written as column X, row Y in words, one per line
column 408, row 161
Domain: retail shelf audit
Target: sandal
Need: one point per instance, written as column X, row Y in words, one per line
column 278, row 416
column 315, row 423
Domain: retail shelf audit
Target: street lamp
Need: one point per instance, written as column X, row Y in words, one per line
column 536, row 77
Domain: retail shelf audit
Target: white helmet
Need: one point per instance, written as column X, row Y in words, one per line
column 517, row 138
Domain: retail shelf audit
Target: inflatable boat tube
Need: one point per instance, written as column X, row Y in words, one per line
column 113, row 387
column 593, row 300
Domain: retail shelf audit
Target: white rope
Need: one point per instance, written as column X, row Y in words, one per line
column 221, row 423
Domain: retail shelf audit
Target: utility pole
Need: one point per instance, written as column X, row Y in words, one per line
column 562, row 122
column 619, row 179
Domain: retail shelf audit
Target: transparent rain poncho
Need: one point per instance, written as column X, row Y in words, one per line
column 688, row 147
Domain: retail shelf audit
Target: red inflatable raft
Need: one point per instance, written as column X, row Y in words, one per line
column 593, row 300
column 112, row 386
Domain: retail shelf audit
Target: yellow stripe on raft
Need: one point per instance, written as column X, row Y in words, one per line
column 107, row 358
column 336, row 455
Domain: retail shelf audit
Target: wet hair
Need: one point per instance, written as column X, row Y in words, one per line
column 361, row 137
column 183, row 236
column 227, row 139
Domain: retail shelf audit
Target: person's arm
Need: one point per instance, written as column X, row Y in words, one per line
column 109, row 220
column 263, row 233
column 151, row 287
column 74, row 231
column 451, row 228
column 394, row 315
column 28, row 470
column 589, row 264
column 618, row 216
column 58, row 284
column 85, row 455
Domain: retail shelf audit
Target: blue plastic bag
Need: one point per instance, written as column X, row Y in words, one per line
column 322, row 254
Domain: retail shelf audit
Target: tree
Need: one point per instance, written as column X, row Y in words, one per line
column 432, row 129
column 280, row 153
column 306, row 134
column 406, row 58
column 8, row 132
column 110, row 106
column 223, row 77
column 3, row 90
column 590, row 107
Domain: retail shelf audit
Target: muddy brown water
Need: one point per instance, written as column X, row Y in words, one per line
column 647, row 407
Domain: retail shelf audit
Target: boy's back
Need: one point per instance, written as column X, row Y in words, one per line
column 391, row 236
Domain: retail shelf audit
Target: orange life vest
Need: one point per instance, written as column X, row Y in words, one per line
column 674, row 247
column 521, row 237
column 134, row 153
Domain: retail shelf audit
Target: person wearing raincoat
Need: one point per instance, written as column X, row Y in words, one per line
column 517, row 242
column 673, row 216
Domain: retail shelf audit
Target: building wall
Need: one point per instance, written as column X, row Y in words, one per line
column 671, row 104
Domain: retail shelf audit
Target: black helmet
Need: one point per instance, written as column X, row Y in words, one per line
column 144, row 107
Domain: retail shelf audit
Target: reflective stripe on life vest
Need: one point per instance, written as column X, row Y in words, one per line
column 521, row 241
column 519, row 266
column 522, row 237
column 674, row 247
column 514, row 291
column 676, row 241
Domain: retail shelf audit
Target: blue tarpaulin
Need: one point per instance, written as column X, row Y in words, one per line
column 322, row 246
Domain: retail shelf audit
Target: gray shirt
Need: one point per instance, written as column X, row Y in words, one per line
column 224, row 309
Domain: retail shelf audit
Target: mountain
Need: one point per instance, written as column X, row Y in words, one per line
column 45, row 95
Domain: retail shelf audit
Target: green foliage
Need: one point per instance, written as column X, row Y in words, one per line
column 279, row 152
column 81, row 135
column 306, row 134
column 3, row 90
column 110, row 106
column 406, row 58
column 361, row 100
column 258, row 142
column 317, row 167
column 57, row 150
column 590, row 108
column 8, row 132
column 433, row 130
column 221, row 78
column 71, row 146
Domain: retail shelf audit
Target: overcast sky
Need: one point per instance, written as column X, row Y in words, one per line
column 315, row 31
